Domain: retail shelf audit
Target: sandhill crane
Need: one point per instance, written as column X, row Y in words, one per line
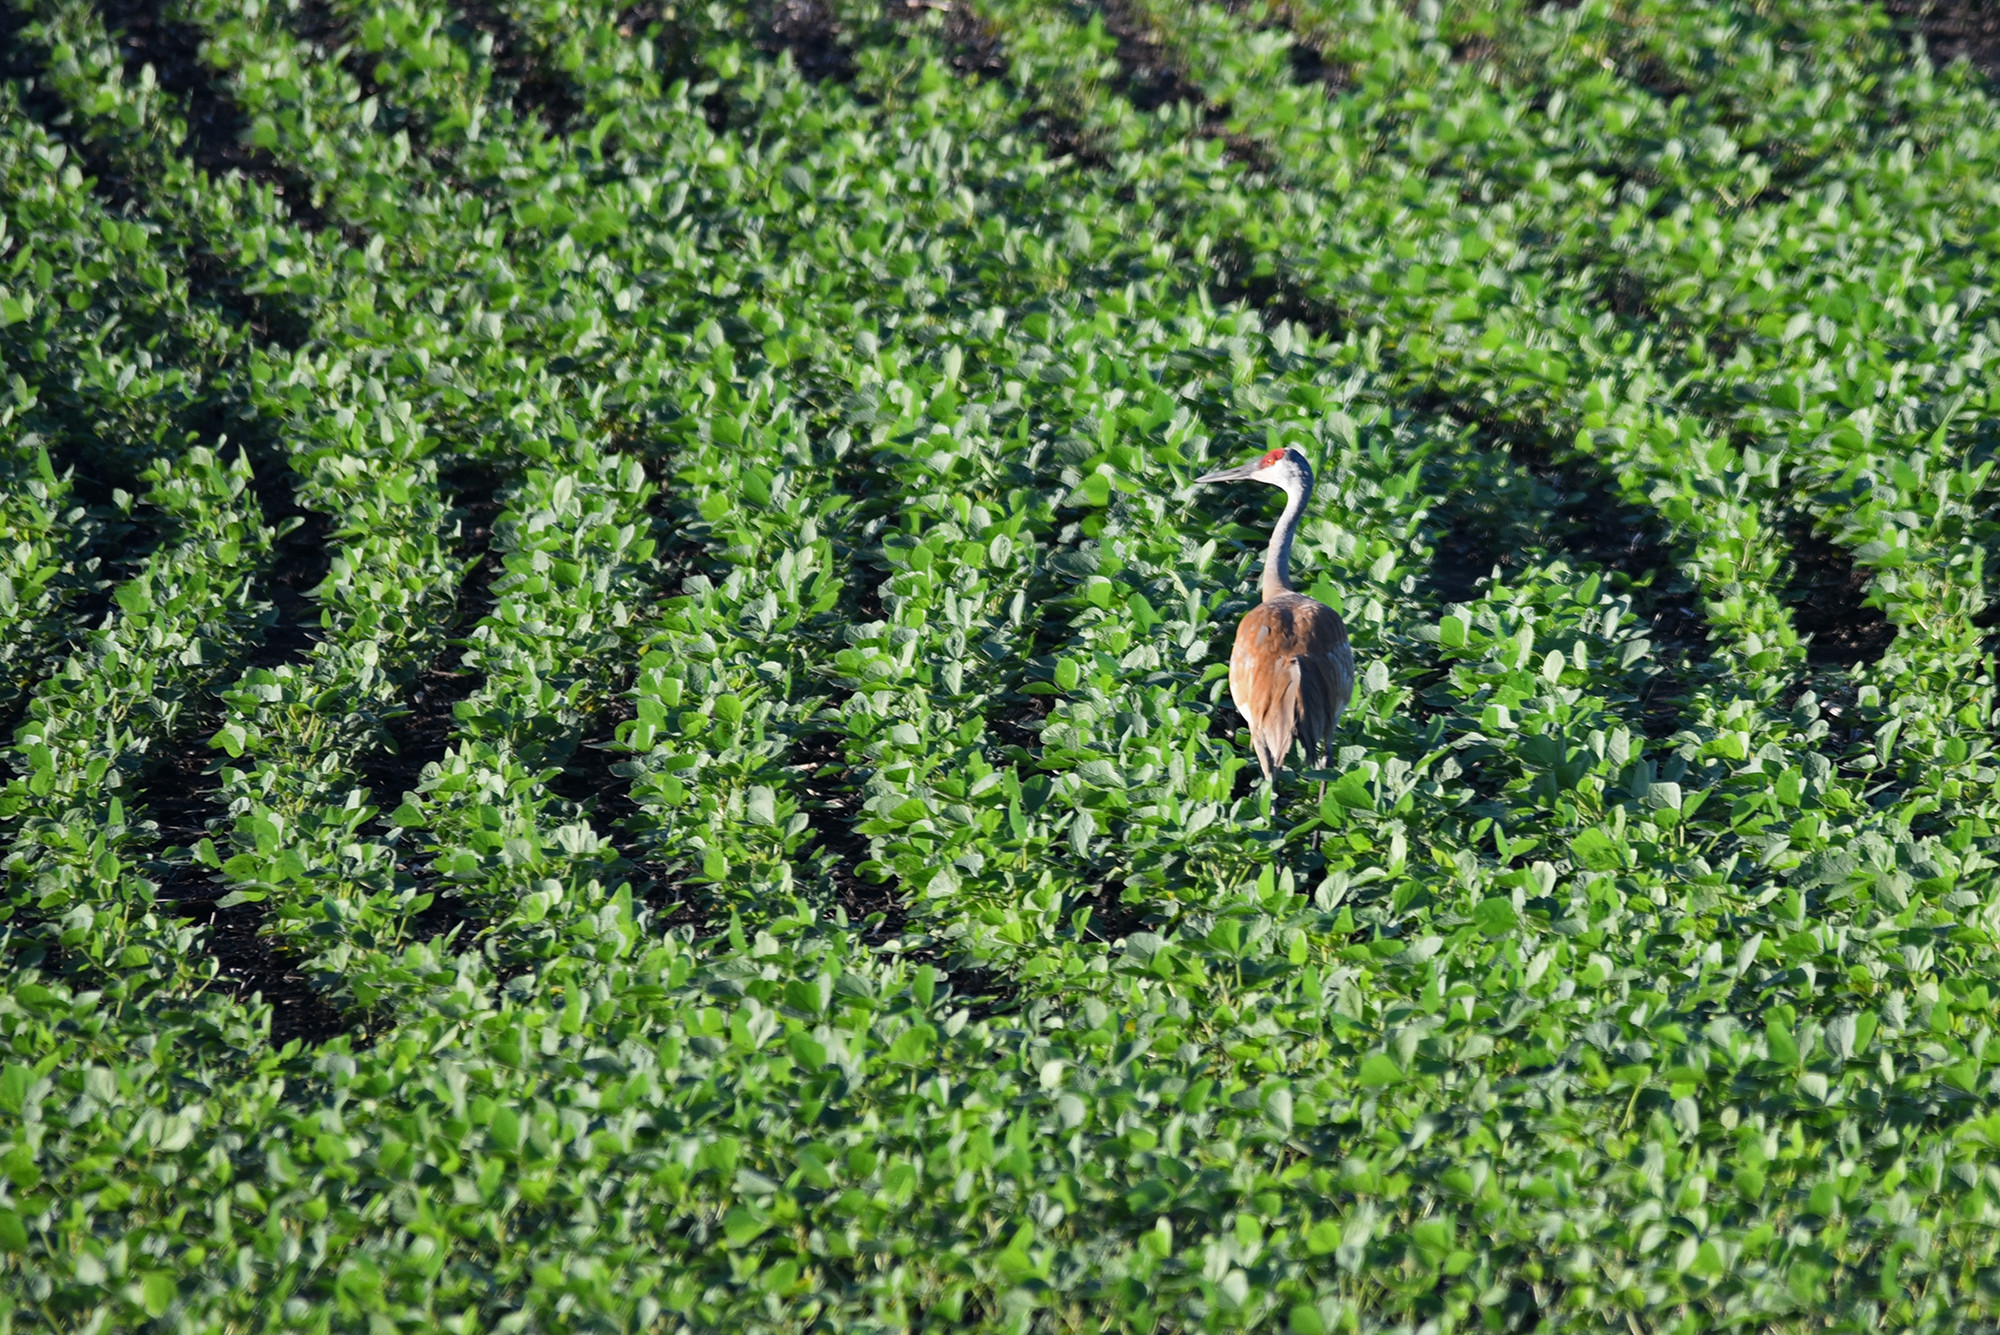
column 1291, row 673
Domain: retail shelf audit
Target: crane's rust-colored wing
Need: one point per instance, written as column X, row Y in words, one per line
column 1291, row 675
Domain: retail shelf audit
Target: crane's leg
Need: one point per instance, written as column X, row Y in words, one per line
column 1326, row 759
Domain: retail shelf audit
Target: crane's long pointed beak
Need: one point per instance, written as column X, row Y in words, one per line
column 1229, row 474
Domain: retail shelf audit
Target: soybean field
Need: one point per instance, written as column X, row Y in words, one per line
column 614, row 685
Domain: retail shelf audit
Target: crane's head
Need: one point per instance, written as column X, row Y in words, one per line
column 1286, row 468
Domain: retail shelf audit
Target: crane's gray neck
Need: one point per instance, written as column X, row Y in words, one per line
column 1278, row 558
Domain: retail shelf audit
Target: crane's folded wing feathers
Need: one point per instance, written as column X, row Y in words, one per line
column 1291, row 674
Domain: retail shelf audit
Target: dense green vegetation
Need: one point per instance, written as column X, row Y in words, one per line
column 615, row 685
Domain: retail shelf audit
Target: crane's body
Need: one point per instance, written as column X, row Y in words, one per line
column 1291, row 673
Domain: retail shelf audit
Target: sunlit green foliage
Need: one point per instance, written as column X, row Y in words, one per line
column 838, row 899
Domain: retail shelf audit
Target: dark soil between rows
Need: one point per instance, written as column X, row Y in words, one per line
column 1826, row 589
column 605, row 799
column 422, row 733
column 1837, row 705
column 589, row 778
column 215, row 143
column 1153, row 79
column 807, row 29
column 300, row 561
column 539, row 90
column 21, row 64
column 874, row 909
column 184, row 799
column 1953, row 28
column 1568, row 506
column 316, row 23
column 183, row 788
column 971, row 44
column 834, row 806
column 217, row 129
column 1112, row 919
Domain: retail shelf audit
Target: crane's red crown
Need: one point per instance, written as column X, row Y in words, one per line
column 1270, row 458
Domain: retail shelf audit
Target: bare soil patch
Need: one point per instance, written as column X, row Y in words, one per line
column 1826, row 590
column 1953, row 28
